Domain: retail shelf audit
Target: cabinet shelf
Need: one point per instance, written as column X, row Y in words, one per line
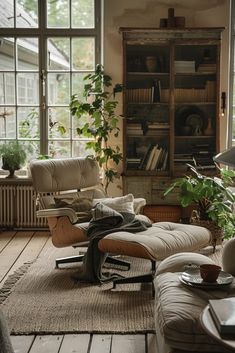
column 174, row 96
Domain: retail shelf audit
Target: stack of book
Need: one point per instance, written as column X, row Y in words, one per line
column 181, row 161
column 223, row 314
column 133, row 163
column 203, row 157
column 207, row 67
column 154, row 127
column 134, row 129
column 184, row 66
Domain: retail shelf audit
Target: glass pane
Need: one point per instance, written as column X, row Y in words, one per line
column 79, row 149
column 7, row 88
column 78, row 85
column 58, row 89
column 78, row 123
column 83, row 14
column 7, row 122
column 28, row 123
column 58, row 13
column 7, row 53
column 27, row 88
column 59, row 122
column 59, row 149
column 27, row 54
column 7, row 13
column 58, row 54
column 27, row 13
column 83, row 53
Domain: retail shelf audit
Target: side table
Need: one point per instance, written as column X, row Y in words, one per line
column 209, row 326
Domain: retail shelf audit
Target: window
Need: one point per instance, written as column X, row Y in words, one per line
column 43, row 59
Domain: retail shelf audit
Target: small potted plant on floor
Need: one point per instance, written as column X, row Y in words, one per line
column 212, row 199
column 13, row 157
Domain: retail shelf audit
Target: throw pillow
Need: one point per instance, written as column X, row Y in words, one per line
column 119, row 204
column 82, row 206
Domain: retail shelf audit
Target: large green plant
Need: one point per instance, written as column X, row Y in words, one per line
column 211, row 195
column 101, row 123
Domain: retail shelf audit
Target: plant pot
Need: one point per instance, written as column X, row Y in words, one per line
column 11, row 170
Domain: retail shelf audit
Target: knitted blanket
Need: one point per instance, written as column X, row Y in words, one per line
column 105, row 221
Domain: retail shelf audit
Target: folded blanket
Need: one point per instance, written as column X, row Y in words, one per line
column 105, row 220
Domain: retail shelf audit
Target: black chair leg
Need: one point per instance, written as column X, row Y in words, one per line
column 146, row 278
column 79, row 258
column 68, row 260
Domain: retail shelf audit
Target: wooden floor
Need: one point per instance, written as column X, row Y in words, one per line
column 19, row 247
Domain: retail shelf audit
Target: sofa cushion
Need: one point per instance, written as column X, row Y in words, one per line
column 178, row 307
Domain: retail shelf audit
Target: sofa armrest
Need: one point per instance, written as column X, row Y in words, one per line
column 58, row 212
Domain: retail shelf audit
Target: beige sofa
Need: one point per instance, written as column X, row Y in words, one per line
column 178, row 308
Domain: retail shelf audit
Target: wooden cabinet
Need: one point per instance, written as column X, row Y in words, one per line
column 171, row 101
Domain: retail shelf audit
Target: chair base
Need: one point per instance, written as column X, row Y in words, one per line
column 146, row 278
column 78, row 258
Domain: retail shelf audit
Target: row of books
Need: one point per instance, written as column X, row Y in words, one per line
column 153, row 94
column 156, row 94
column 155, row 158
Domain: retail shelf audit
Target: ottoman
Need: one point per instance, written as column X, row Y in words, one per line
column 178, row 308
column 156, row 243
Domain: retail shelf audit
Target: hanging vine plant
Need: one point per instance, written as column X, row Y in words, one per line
column 101, row 124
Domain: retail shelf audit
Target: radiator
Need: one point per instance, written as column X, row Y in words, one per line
column 18, row 209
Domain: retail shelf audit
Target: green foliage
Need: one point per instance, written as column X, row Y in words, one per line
column 211, row 195
column 102, row 122
column 13, row 154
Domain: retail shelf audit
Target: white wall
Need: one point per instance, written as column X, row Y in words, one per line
column 147, row 13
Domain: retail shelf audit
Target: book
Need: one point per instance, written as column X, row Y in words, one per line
column 146, row 156
column 155, row 158
column 150, row 159
column 223, row 314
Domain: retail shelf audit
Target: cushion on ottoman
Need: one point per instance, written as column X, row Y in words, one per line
column 157, row 242
column 178, row 307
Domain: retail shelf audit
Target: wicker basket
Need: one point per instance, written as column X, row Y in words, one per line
column 163, row 213
column 216, row 232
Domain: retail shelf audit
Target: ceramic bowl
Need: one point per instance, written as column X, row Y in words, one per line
column 209, row 272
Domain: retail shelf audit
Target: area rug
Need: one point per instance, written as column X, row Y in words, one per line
column 41, row 299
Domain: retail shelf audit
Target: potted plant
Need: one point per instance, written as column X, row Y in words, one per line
column 13, row 156
column 212, row 199
column 101, row 122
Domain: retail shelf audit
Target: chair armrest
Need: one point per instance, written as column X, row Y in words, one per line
column 58, row 212
column 139, row 203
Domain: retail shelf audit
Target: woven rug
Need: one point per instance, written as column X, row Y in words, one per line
column 41, row 299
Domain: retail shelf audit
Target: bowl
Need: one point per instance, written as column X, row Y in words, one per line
column 209, row 272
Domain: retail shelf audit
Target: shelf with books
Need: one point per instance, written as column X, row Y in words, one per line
column 171, row 102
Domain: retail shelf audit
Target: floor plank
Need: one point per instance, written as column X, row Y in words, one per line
column 46, row 344
column 75, row 343
column 128, row 343
column 22, row 344
column 13, row 250
column 30, row 252
column 5, row 238
column 100, row 343
column 151, row 343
